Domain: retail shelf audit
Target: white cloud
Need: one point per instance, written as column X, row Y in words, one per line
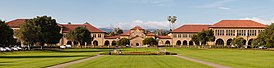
column 264, row 21
column 143, row 24
column 224, row 8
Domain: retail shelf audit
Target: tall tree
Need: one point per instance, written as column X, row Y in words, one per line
column 266, row 37
column 80, row 34
column 204, row 37
column 6, row 34
column 150, row 41
column 172, row 20
column 40, row 30
column 238, row 41
column 123, row 42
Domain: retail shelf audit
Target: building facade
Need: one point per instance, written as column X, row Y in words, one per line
column 224, row 32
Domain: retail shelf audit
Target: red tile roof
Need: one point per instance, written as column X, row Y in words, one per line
column 238, row 24
column 69, row 27
column 112, row 37
column 127, row 33
column 137, row 27
column 16, row 23
column 150, row 34
column 190, row 28
column 164, row 37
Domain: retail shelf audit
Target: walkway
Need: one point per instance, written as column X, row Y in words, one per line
column 73, row 62
column 199, row 61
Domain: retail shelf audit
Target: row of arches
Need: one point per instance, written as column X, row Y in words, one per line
column 107, row 43
column 178, row 42
column 184, row 42
column 228, row 42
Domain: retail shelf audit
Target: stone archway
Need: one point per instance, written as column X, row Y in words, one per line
column 184, row 42
column 250, row 42
column 106, row 43
column 137, row 44
column 167, row 42
column 244, row 42
column 228, row 42
column 191, row 43
column 95, row 43
column 219, row 42
column 113, row 43
column 178, row 42
column 69, row 42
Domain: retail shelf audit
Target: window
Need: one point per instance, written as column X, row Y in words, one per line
column 220, row 32
column 251, row 32
column 241, row 32
column 230, row 32
column 99, row 35
column 175, row 35
column 190, row 35
column 184, row 35
column 179, row 36
column 259, row 31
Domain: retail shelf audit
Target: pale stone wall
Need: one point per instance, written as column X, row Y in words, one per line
column 226, row 37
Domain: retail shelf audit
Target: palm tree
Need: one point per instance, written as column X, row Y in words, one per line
column 171, row 20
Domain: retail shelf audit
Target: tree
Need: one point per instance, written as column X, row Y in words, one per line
column 238, row 41
column 150, row 41
column 161, row 32
column 172, row 20
column 79, row 34
column 123, row 42
column 195, row 39
column 204, row 37
column 116, row 31
column 266, row 37
column 40, row 30
column 6, row 34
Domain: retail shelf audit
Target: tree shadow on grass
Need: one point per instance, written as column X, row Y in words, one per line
column 42, row 56
column 5, row 64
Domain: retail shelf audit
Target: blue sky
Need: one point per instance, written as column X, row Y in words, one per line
column 146, row 13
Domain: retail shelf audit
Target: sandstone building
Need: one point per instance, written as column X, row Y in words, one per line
column 224, row 31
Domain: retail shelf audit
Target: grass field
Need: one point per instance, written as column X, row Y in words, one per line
column 141, row 61
column 235, row 58
column 154, row 49
column 231, row 57
column 38, row 59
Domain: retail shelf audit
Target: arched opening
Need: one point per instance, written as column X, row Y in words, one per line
column 69, row 43
column 191, row 43
column 250, row 41
column 137, row 44
column 244, row 42
column 113, row 43
column 197, row 43
column 184, row 42
column 106, row 43
column 95, row 43
column 167, row 42
column 228, row 42
column 219, row 42
column 178, row 42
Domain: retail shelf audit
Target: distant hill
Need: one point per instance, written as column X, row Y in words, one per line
column 106, row 29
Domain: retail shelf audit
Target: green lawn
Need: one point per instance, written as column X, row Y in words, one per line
column 152, row 49
column 137, row 61
column 231, row 57
column 38, row 59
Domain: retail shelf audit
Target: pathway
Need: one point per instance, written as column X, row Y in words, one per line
column 199, row 61
column 73, row 62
